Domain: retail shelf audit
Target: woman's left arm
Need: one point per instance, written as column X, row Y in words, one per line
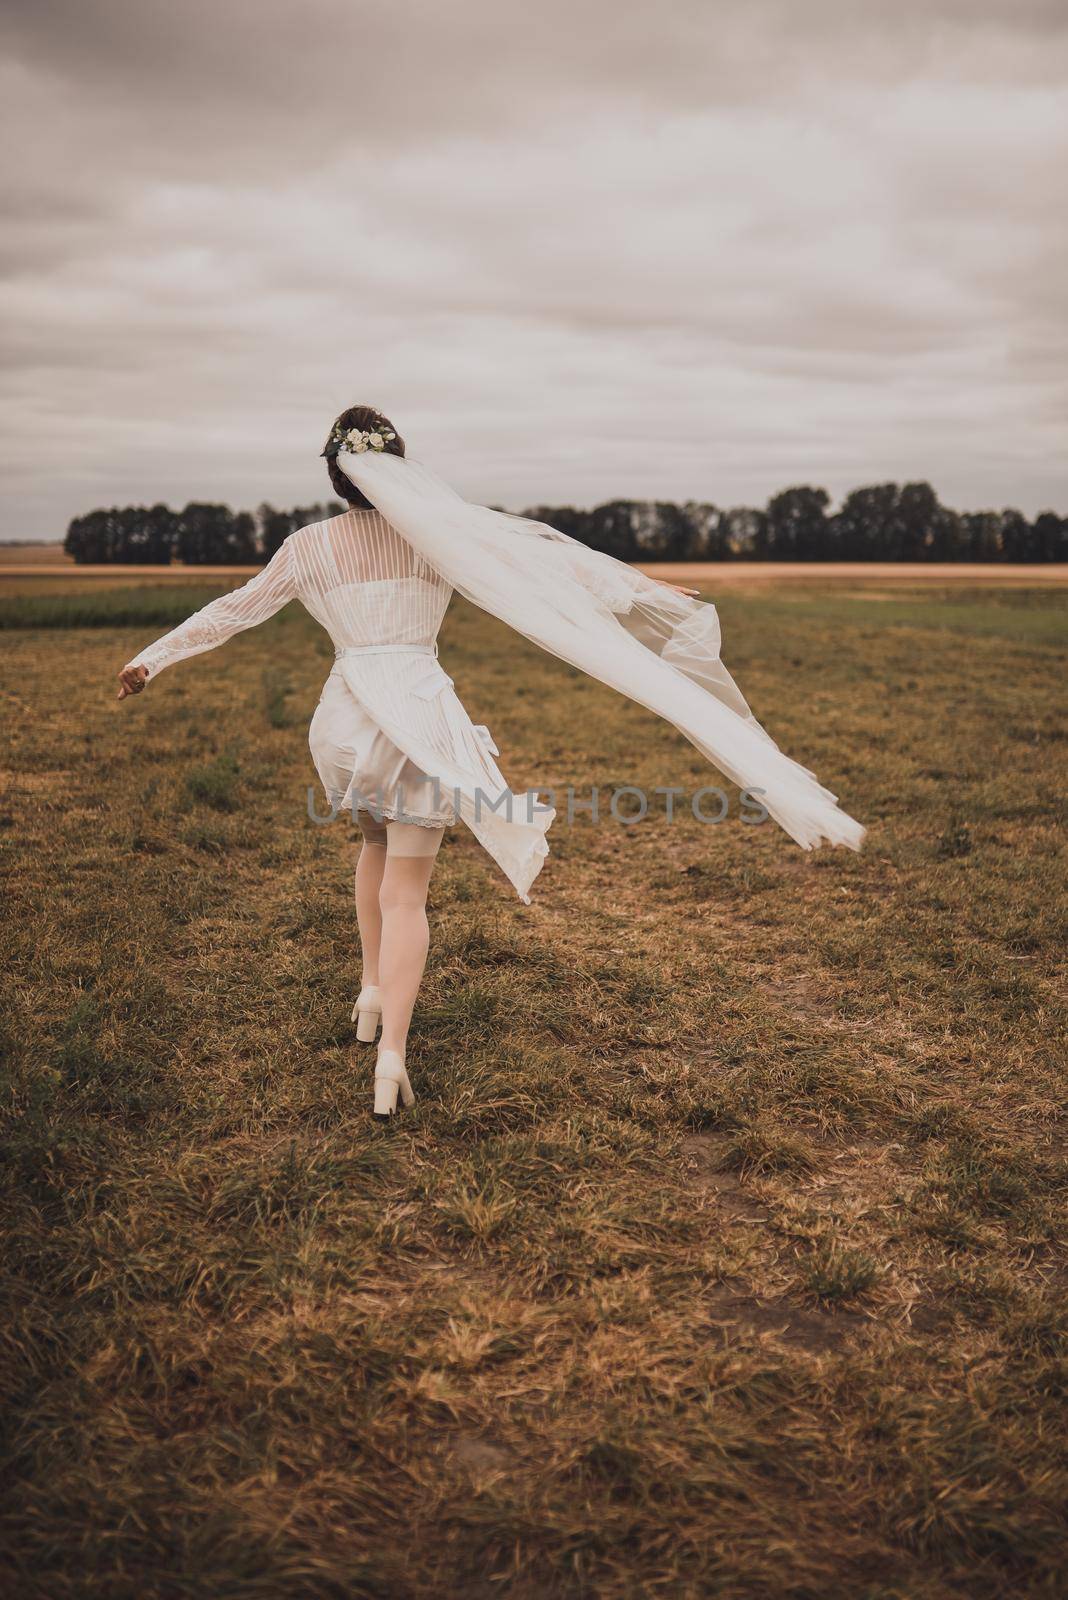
column 216, row 622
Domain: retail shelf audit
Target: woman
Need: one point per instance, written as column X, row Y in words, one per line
column 391, row 740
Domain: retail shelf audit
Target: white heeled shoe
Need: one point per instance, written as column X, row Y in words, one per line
column 391, row 1079
column 367, row 1013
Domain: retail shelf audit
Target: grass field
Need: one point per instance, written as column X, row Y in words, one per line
column 722, row 1251
column 19, row 555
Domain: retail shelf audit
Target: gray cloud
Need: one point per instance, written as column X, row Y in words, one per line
column 707, row 251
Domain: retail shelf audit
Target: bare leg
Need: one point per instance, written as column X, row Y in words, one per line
column 410, row 855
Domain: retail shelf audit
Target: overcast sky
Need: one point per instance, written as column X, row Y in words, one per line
column 577, row 251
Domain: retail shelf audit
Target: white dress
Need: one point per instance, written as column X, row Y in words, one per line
column 389, row 734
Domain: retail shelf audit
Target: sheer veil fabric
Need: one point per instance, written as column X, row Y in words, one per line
column 659, row 648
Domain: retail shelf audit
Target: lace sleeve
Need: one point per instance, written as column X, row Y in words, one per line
column 220, row 619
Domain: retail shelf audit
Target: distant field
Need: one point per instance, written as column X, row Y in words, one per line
column 723, row 1251
column 819, row 574
column 36, row 555
column 26, row 565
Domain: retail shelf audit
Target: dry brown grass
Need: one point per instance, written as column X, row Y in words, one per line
column 16, row 556
column 720, row 1253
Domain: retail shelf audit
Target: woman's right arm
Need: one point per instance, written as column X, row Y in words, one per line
column 216, row 622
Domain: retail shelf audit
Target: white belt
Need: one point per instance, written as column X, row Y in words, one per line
column 385, row 650
column 428, row 687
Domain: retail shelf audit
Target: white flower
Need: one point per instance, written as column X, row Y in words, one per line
column 375, row 440
column 354, row 436
column 360, row 446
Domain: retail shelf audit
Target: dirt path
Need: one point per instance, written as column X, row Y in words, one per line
column 743, row 574
column 943, row 574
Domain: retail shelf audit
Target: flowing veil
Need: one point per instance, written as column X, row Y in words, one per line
column 659, row 648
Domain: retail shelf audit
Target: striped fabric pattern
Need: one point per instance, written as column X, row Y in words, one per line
column 356, row 575
column 361, row 579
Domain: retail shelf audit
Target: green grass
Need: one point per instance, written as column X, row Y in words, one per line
column 130, row 607
column 1019, row 616
column 722, row 1253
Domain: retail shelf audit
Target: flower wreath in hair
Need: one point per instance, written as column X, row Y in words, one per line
column 353, row 439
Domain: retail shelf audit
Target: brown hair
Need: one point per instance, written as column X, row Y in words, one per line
column 363, row 418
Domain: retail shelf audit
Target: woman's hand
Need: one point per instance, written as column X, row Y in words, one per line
column 677, row 588
column 132, row 680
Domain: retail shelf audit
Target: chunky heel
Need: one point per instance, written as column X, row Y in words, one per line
column 391, row 1080
column 367, row 1014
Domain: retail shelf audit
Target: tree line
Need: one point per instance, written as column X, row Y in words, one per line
column 204, row 534
column 882, row 522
